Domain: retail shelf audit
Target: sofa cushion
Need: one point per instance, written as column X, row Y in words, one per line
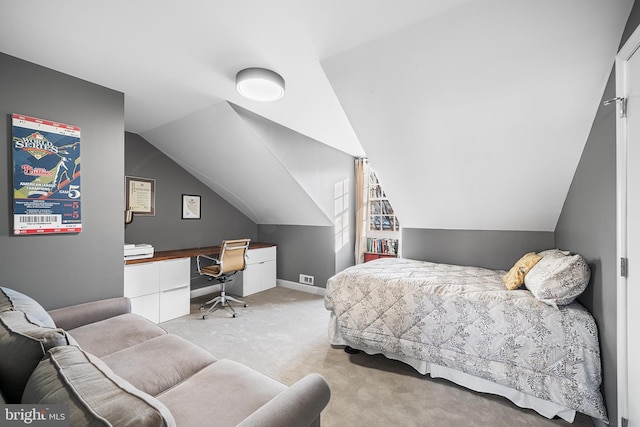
column 14, row 300
column 77, row 315
column 113, row 334
column 174, row 360
column 238, row 391
column 95, row 395
column 23, row 343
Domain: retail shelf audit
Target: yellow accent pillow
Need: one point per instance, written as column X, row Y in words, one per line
column 515, row 277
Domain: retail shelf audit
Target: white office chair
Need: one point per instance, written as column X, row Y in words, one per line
column 230, row 260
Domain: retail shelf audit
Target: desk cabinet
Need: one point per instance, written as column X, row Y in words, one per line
column 159, row 290
column 259, row 275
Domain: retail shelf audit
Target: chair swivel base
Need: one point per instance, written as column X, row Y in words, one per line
column 223, row 301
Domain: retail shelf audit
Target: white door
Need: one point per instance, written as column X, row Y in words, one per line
column 628, row 163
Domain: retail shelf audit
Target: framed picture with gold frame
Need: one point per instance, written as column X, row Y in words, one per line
column 140, row 195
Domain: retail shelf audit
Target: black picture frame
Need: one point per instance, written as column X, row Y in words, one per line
column 191, row 206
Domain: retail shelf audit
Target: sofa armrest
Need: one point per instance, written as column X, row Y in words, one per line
column 75, row 316
column 299, row 405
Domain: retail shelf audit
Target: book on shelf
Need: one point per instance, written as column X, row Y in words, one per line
column 382, row 246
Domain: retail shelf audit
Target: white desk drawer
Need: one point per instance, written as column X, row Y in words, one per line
column 269, row 272
column 147, row 306
column 159, row 290
column 260, row 273
column 175, row 303
column 256, row 256
column 174, row 273
column 141, row 279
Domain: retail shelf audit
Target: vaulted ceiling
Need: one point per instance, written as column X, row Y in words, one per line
column 474, row 113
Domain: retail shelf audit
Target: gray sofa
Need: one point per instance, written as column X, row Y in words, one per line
column 112, row 367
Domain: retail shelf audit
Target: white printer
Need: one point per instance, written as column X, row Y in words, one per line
column 137, row 251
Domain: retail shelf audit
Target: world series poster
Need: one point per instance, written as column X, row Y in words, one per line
column 46, row 177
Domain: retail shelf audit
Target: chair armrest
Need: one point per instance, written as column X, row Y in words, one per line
column 78, row 315
column 299, row 405
column 210, row 261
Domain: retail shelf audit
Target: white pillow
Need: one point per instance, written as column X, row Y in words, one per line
column 558, row 280
column 554, row 253
column 14, row 300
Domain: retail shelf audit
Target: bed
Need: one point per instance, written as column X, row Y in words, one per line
column 461, row 323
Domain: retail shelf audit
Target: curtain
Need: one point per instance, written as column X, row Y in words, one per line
column 361, row 209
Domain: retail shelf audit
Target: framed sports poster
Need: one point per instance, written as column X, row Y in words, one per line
column 46, row 176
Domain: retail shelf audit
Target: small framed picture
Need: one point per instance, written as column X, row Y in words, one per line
column 190, row 206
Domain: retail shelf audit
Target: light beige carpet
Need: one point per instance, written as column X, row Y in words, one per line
column 283, row 334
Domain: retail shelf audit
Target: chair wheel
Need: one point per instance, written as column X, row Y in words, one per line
column 201, row 306
column 234, row 315
column 204, row 317
column 246, row 305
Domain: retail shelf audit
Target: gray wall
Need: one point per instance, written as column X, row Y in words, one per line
column 302, row 250
column 482, row 248
column 589, row 229
column 59, row 270
column 167, row 230
column 587, row 225
column 344, row 257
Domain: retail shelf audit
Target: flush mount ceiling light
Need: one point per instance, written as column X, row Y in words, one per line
column 260, row 84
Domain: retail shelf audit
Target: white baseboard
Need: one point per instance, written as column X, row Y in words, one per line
column 279, row 282
column 300, row 287
column 205, row 290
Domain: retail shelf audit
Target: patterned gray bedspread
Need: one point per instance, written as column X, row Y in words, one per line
column 465, row 319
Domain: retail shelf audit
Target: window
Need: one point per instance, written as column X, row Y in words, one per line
column 381, row 215
column 383, row 227
column 341, row 223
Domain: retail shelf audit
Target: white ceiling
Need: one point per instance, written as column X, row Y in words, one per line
column 474, row 113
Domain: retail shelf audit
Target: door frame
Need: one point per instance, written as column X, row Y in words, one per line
column 626, row 52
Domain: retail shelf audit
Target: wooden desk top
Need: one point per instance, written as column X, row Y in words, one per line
column 191, row 252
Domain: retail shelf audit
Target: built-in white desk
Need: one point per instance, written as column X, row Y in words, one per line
column 159, row 287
